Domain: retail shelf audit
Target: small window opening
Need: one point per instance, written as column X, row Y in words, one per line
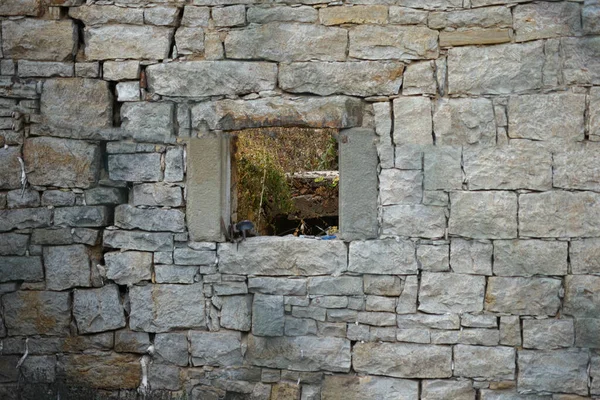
column 286, row 180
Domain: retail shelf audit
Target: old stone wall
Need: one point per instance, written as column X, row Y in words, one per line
column 476, row 275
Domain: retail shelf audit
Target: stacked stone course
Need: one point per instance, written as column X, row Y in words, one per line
column 479, row 277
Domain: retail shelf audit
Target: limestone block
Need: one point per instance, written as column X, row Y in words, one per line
column 229, row 16
column 58, row 198
column 548, row 334
column 419, row 78
column 151, row 122
column 45, row 69
column 87, row 69
column 428, row 321
column 174, row 164
column 265, row 14
column 509, row 394
column 287, row 42
column 28, row 269
column 283, row 256
column 210, row 78
column 523, row 296
column 162, row 16
column 36, row 39
column 493, row 363
column 138, row 240
column 402, row 360
column 442, row 168
column 127, row 41
column 447, row 390
column 97, row 310
column 82, row 216
column 374, row 42
column 412, row 121
column 362, row 78
column 400, row 186
column 195, row 16
column 464, row 121
column 236, row 312
column 172, row 347
column 510, row 330
column 382, row 304
column 407, row 302
column 20, row 7
column 471, row 257
column 343, row 286
column 23, row 198
column 150, row 219
column 160, row 308
column 363, row 387
column 520, row 165
column 267, row 315
column 67, row 267
column 92, row 15
column 508, row 68
column 61, row 162
column 157, row 194
column 467, row 37
column 590, row 15
column 104, row 370
column 10, row 173
column 282, row 286
column 540, row 21
column 489, row 17
column 414, row 221
column 581, row 60
column 64, row 236
column 594, row 114
column 577, row 168
column 559, row 214
column 135, row 167
column 382, row 285
column 13, row 244
column 479, row 321
column 186, row 256
column 585, row 256
column 586, row 332
column 216, row 348
column 530, row 257
column 189, row 40
column 437, row 293
column 175, row 274
column 312, row 312
column 581, row 299
column 386, row 256
column 131, row 342
column 129, row 267
column 479, row 337
column 557, row 116
column 37, row 313
column 300, row 353
column 431, row 5
column 479, row 215
column 302, row 327
column 563, row 371
column 359, row 14
column 407, row 16
column 128, row 91
column 434, row 258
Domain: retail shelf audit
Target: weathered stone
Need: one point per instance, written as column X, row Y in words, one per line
column 381, row 304
column 530, row 257
column 20, row 7
column 190, row 41
column 520, row 165
column 147, row 121
column 281, row 286
column 148, row 194
column 540, row 21
column 467, row 37
column 581, row 60
column 419, row 78
column 447, row 390
column 229, row 288
column 427, row 321
column 332, row 112
column 488, row 17
column 563, row 371
column 479, row 321
column 434, row 258
column 386, row 256
column 282, row 256
column 36, row 313
column 509, row 395
column 39, row 369
column 363, row 387
column 558, row 116
column 483, row 215
column 586, row 333
column 494, row 363
column 585, row 256
column 175, row 274
column 27, row 269
column 131, row 342
column 120, row 70
column 58, row 198
column 229, row 16
column 369, row 14
column 135, row 167
column 332, row 301
column 129, row 267
column 265, row 14
column 160, row 308
column 311, row 312
column 581, row 296
column 523, row 296
column 128, row 91
column 138, row 240
column 36, row 39
column 302, row 327
column 236, row 313
column 267, row 315
column 82, row 216
column 97, row 310
column 344, row 285
column 414, row 221
column 174, row 164
column 510, row 330
column 590, row 15
column 13, row 244
column 407, row 16
column 464, row 121
column 559, row 214
column 45, row 69
column 172, row 347
column 507, row 68
column 61, row 162
column 362, row 78
column 105, row 195
column 577, row 168
column 382, row 285
column 195, row 16
column 104, row 370
column 300, row 353
column 10, row 173
column 373, row 42
column 64, row 236
column 437, row 293
column 127, row 41
column 67, row 266
column 402, row 360
column 210, row 78
column 377, row 318
column 412, row 121
column 471, row 257
column 24, row 218
column 216, row 348
column 87, row 69
column 162, row 16
column 106, row 14
column 400, row 186
column 157, row 219
column 287, row 42
column 186, row 256
column 442, row 167
column 548, row 334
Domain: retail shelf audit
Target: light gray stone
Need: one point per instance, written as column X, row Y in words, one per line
column 376, row 318
column 330, row 285
column 13, row 244
column 311, row 312
column 236, row 313
column 21, row 7
column 45, row 69
column 121, row 70
column 362, row 387
column 414, row 221
column 302, row 327
column 510, row 330
column 138, row 240
column 174, row 164
column 548, row 334
column 102, row 195
column 419, row 78
column 24, row 218
column 442, row 168
column 229, row 288
column 479, row 320
column 586, row 333
column 87, row 70
column 195, row 16
column 67, row 266
column 37, row 313
column 107, row 14
column 581, row 296
column 357, row 14
column 585, row 256
column 175, row 274
column 229, row 16
column 267, row 315
column 147, row 121
column 150, row 219
column 28, row 269
column 407, row 16
column 508, row 68
column 581, row 60
column 434, row 258
column 381, row 304
column 149, row 194
column 287, row 42
column 558, row 116
column 300, row 353
column 162, row 16
column 264, row 14
column 160, row 308
column 413, row 336
column 437, row 293
column 128, row 91
column 402, row 360
column 58, row 198
column 590, row 15
column 10, row 174
column 577, row 168
column 186, row 256
column 190, row 40
column 509, row 395
column 530, row 257
column 127, row 41
column 559, row 214
column 400, row 186
column 471, row 257
column 523, row 296
column 388, row 256
column 412, row 121
column 282, row 256
column 82, row 216
column 382, row 285
column 373, row 42
column 489, row 17
column 129, row 267
column 483, row 215
column 540, row 21
column 131, row 342
column 172, row 347
column 493, row 363
column 383, row 127
column 216, row 348
column 464, row 121
column 135, row 167
column 36, row 39
column 563, row 371
column 330, row 301
column 97, row 310
column 362, row 78
column 281, row 286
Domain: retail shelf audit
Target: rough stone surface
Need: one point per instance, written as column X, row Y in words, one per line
column 13, row 244
column 236, row 313
column 130, row 217
column 83, row 216
column 27, row 269
column 539, row 21
column 361, row 387
column 400, row 186
column 135, row 167
column 127, row 41
column 372, row 42
column 148, row 194
column 437, row 293
column 484, row 362
column 417, row 220
column 447, row 390
column 98, row 310
column 261, row 15
column 412, row 121
column 581, row 60
column 530, row 257
column 23, row 218
column 67, row 267
column 577, row 168
column 581, row 296
column 481, row 215
column 172, row 347
column 138, row 240
column 523, row 296
column 382, row 257
column 36, row 313
column 553, row 371
column 471, row 257
column 36, row 39
column 585, row 256
column 442, row 167
column 10, row 174
column 129, row 267
column 148, row 121
column 267, row 315
column 548, row 334
column 464, row 121
column 216, row 348
column 99, row 15
column 106, row 370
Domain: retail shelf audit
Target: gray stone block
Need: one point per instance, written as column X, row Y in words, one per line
column 149, row 219
column 447, row 390
column 23, row 199
column 382, row 285
column 263, row 14
column 343, row 285
column 267, row 315
column 494, row 363
column 64, row 236
column 400, row 186
column 39, row 369
column 461, row 122
column 479, row 337
column 548, row 334
column 372, row 42
column 150, row 122
column 105, row 196
column 176, row 274
column 162, row 16
column 523, row 296
column 127, row 41
column 407, row 302
column 434, row 258
column 127, row 341
column 58, row 198
column 216, row 348
column 28, row 269
column 236, row 313
column 186, row 256
column 82, row 216
column 586, row 333
column 530, row 257
column 576, row 167
column 107, row 14
column 540, row 21
column 581, row 296
column 37, row 313
column 149, row 194
column 121, row 70
column 10, row 174
column 13, row 244
column 135, row 167
column 510, row 330
column 37, row 39
column 172, row 348
column 282, row 286
column 97, row 310
column 413, row 123
column 300, row 326
column 442, row 168
column 67, row 266
column 45, row 69
column 129, row 267
column 363, row 387
column 414, row 221
column 483, row 215
column 24, row 218
column 437, row 293
column 428, row 321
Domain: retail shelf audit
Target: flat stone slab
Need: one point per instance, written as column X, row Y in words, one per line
column 363, row 387
column 374, row 42
column 388, row 256
column 107, row 42
column 36, row 39
column 483, row 215
column 523, row 296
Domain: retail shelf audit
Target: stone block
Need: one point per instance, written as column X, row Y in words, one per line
column 39, row 369
column 97, row 310
column 437, row 293
column 400, row 186
column 64, row 236
column 467, row 37
column 280, row 286
column 548, row 334
column 138, row 240
column 87, row 69
column 419, row 78
column 265, row 14
column 343, row 286
column 28, row 269
column 442, row 167
column 61, row 162
column 10, row 174
column 434, row 258
column 510, row 330
column 412, row 121
column 229, row 16
column 58, row 198
column 107, row 42
column 590, row 15
column 358, row 14
column 479, row 321
column 585, row 256
column 267, row 315
column 483, row 215
column 382, row 285
column 150, row 219
column 428, row 321
column 160, row 308
column 107, row 14
column 82, row 216
column 195, row 16
column 121, row 70
column 540, row 21
column 586, row 333
column 471, row 257
column 493, row 363
column 162, row 16
column 581, row 60
column 489, row 17
column 37, row 39
column 21, row 7
column 287, row 42
column 509, row 394
column 300, row 353
column 362, row 78
column 381, row 304
column 464, row 121
column 67, row 267
column 13, row 244
column 363, row 387
column 302, row 327
column 414, row 221
column 563, row 371
column 187, row 256
column 23, row 218
column 172, row 347
column 149, row 194
column 530, row 257
column 447, row 390
column 216, row 348
column 407, row 16
column 129, row 267
column 146, row 121
column 373, row 42
column 105, row 196
column 135, row 167
column 388, row 256
column 45, row 69
column 37, row 313
column 131, row 342
column 176, row 274
column 508, row 68
column 577, row 167
column 581, row 296
column 282, row 256
column 174, row 164
column 190, row 41
column 236, row 313
column 128, row 91
column 523, row 296
column 105, row 370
